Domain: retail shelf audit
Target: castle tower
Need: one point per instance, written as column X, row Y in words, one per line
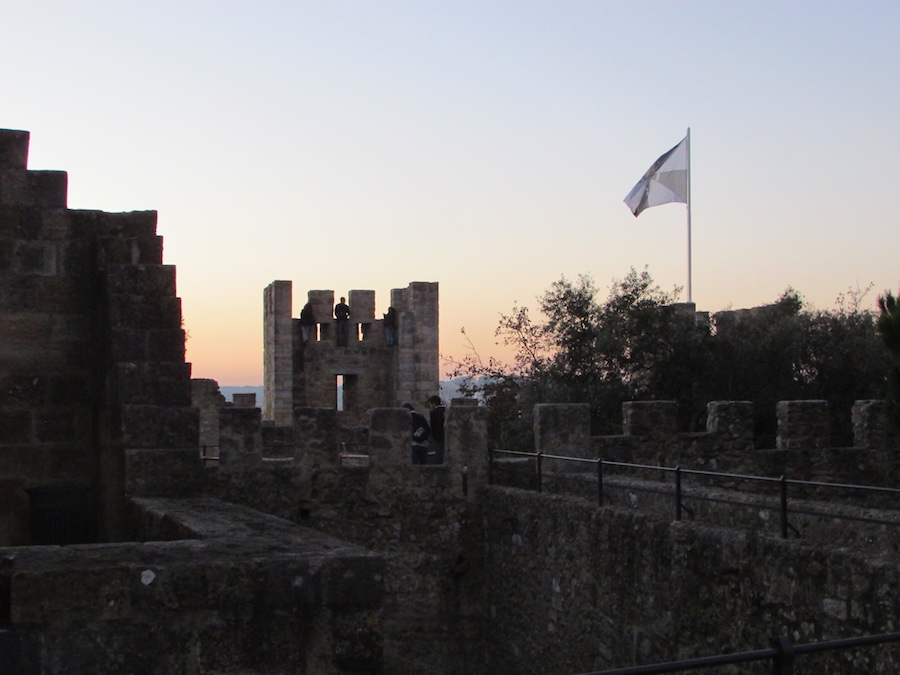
column 366, row 373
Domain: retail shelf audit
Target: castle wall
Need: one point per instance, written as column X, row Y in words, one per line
column 207, row 588
column 91, row 357
column 423, row 519
column 577, row 588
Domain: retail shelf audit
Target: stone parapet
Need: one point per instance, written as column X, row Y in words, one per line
column 389, row 438
column 316, row 437
column 802, row 425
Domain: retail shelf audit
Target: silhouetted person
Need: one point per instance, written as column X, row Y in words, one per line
column 419, row 438
column 307, row 321
column 342, row 314
column 390, row 327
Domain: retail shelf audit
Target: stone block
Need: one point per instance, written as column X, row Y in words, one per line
column 353, row 581
column 802, row 425
column 244, row 400
column 153, row 426
column 163, row 472
column 64, row 389
column 70, row 595
column 26, row 328
column 142, row 311
column 141, row 280
column 22, row 389
column 362, row 306
column 70, row 328
column 323, row 305
column 58, row 425
column 15, row 427
column 164, row 344
column 871, row 427
column 22, row 222
column 731, row 422
column 145, row 250
column 240, row 436
column 35, row 257
column 390, row 434
column 155, row 383
column 127, row 224
column 466, row 442
column 14, row 149
column 42, row 189
column 316, row 437
column 650, row 418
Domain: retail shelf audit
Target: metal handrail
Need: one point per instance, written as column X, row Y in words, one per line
column 782, row 481
column 782, row 654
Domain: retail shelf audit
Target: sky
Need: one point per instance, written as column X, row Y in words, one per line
column 485, row 145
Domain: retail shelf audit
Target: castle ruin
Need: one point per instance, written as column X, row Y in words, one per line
column 123, row 551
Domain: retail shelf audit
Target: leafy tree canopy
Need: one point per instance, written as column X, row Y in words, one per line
column 639, row 344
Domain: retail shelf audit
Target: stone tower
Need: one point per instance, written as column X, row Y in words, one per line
column 368, row 372
column 95, row 394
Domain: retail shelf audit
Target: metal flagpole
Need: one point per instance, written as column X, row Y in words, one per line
column 689, row 296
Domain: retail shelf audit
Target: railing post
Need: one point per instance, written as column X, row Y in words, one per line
column 784, row 518
column 600, row 481
column 465, row 479
column 540, row 477
column 783, row 661
column 677, row 493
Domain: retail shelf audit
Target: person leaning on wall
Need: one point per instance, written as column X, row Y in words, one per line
column 419, row 437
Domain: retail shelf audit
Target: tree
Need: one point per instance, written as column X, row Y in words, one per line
column 641, row 345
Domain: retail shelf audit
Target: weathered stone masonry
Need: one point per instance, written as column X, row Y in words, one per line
column 99, row 447
column 200, row 569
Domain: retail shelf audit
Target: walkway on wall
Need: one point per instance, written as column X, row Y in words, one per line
column 788, row 507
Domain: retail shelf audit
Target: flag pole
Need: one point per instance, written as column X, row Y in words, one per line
column 689, row 295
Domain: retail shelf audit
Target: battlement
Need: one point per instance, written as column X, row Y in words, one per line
column 803, row 443
column 353, row 365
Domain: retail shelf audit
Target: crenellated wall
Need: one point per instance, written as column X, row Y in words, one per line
column 423, row 518
column 373, row 374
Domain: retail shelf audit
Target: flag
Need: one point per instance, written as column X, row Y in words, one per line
column 665, row 181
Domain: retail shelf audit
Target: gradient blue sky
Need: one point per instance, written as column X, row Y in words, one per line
column 484, row 145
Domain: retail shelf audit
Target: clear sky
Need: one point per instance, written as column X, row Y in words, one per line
column 484, row 145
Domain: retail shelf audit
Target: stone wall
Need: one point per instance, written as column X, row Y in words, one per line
column 577, row 588
column 92, row 371
column 216, row 589
column 423, row 519
column 803, row 445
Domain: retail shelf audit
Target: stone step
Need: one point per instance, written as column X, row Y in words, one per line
column 42, row 189
column 14, row 149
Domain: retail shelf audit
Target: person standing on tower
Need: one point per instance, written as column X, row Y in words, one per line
column 342, row 315
column 307, row 321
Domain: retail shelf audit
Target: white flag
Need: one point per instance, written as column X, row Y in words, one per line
column 665, row 181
